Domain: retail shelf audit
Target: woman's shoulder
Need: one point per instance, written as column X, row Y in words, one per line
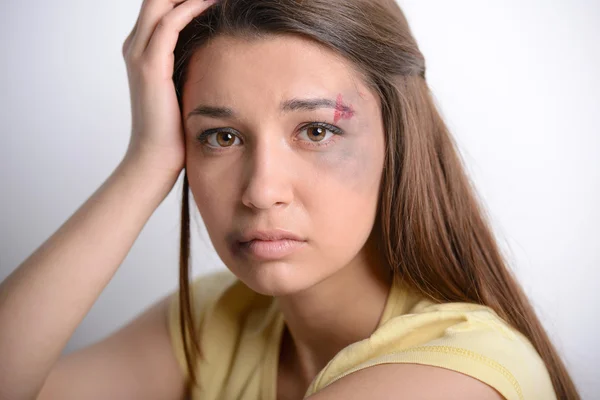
column 464, row 337
column 221, row 306
column 475, row 340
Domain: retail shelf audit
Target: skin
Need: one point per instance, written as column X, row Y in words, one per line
column 273, row 176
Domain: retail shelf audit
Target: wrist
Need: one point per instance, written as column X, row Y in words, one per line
column 148, row 174
column 151, row 165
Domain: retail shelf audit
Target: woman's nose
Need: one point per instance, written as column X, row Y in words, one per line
column 268, row 179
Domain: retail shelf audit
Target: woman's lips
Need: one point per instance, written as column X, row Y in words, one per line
column 270, row 249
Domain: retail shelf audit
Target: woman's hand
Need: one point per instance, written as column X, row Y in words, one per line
column 157, row 138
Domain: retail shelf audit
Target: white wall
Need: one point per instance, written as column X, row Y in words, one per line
column 516, row 80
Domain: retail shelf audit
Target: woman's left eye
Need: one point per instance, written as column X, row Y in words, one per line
column 320, row 134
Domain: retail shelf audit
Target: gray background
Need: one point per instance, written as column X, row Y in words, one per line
column 517, row 82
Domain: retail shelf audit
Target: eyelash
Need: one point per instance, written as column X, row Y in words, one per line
column 203, row 136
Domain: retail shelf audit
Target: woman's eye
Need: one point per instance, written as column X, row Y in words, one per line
column 320, row 134
column 219, row 138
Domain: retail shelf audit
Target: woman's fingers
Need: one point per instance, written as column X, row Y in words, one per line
column 156, row 132
column 150, row 14
column 164, row 39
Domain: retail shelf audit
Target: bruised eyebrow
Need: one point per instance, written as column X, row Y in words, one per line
column 286, row 106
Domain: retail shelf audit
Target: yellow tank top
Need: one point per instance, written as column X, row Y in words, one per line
column 241, row 333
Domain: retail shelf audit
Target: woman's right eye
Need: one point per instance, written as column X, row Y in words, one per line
column 219, row 138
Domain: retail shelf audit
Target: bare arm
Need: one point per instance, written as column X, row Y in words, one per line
column 48, row 295
column 136, row 362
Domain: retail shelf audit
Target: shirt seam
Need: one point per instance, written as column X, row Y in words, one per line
column 446, row 350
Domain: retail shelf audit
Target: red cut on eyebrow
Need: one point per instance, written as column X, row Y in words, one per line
column 341, row 110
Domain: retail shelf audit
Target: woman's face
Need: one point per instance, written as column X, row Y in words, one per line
column 266, row 163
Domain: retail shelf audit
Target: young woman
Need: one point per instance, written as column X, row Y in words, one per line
column 360, row 264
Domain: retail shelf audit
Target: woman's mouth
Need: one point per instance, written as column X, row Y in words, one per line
column 266, row 250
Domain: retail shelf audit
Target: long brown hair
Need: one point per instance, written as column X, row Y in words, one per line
column 435, row 234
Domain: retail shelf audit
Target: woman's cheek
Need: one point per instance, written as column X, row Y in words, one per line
column 206, row 189
column 351, row 166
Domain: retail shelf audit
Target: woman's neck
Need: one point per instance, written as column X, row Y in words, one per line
column 342, row 309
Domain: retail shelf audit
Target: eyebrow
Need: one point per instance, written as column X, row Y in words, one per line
column 286, row 106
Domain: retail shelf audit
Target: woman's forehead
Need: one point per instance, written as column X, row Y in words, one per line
column 269, row 71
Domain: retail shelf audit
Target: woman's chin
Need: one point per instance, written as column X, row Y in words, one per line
column 273, row 278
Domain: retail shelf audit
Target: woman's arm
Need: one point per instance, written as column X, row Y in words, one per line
column 136, row 362
column 48, row 295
